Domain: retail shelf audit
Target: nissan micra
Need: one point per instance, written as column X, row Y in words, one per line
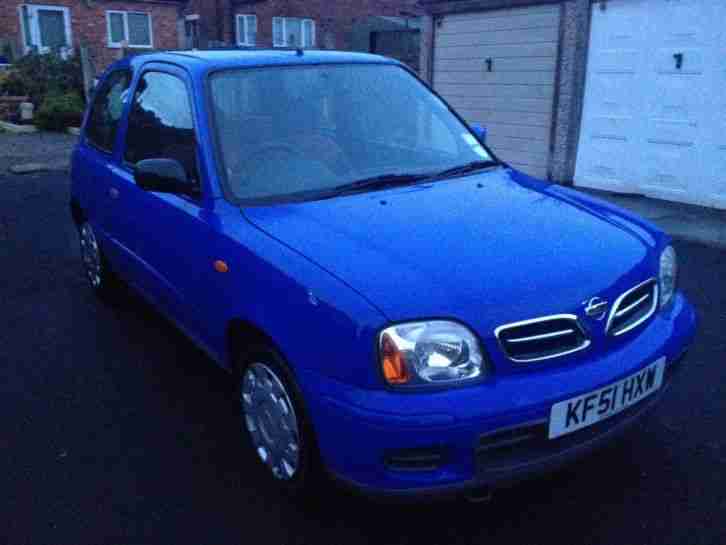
column 399, row 308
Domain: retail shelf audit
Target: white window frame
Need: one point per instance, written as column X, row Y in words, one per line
column 312, row 31
column 242, row 23
column 125, row 15
column 35, row 27
column 302, row 31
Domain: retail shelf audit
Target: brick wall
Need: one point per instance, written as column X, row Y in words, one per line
column 334, row 19
column 88, row 24
column 8, row 20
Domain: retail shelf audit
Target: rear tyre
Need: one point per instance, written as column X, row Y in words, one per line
column 273, row 417
column 104, row 283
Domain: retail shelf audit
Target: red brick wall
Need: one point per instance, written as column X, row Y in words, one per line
column 333, row 18
column 8, row 20
column 89, row 24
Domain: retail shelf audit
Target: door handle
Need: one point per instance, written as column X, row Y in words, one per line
column 679, row 60
column 113, row 193
column 489, row 62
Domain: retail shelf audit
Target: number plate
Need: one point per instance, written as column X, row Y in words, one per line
column 588, row 409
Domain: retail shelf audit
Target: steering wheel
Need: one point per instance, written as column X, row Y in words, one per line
column 266, row 155
column 270, row 148
column 267, row 162
column 322, row 144
column 307, row 144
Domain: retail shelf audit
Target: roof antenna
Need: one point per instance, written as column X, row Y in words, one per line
column 299, row 52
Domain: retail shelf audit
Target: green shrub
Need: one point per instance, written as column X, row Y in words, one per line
column 57, row 112
column 38, row 76
column 12, row 83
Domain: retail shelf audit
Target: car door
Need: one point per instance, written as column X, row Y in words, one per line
column 176, row 233
column 94, row 169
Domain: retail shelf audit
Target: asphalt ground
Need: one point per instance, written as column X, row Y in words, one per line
column 114, row 428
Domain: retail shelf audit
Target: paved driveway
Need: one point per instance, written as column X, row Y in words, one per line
column 49, row 148
column 115, row 429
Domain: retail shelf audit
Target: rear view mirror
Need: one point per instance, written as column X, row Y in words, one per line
column 164, row 176
column 479, row 131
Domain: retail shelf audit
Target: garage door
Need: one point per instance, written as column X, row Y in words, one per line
column 512, row 94
column 654, row 117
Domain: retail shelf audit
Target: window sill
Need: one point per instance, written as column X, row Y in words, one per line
column 119, row 46
column 305, row 47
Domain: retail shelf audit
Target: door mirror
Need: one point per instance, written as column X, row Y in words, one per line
column 164, row 176
column 481, row 132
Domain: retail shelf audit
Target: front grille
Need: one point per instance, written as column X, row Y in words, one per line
column 415, row 459
column 505, row 450
column 508, row 439
column 633, row 308
column 542, row 338
column 535, row 444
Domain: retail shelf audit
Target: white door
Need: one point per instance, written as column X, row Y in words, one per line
column 497, row 68
column 654, row 115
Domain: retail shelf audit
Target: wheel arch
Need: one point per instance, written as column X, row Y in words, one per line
column 77, row 213
column 243, row 334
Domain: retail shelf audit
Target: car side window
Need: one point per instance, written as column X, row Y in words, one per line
column 106, row 110
column 161, row 124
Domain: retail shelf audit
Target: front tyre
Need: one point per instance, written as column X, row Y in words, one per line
column 95, row 265
column 274, row 418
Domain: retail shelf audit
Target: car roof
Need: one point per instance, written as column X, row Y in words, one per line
column 202, row 61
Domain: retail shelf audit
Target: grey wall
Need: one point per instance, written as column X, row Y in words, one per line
column 572, row 65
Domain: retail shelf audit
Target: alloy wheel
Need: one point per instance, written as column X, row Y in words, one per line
column 91, row 255
column 269, row 416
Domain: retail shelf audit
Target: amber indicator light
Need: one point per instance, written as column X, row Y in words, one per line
column 394, row 367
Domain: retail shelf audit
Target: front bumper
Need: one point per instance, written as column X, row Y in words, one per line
column 450, row 432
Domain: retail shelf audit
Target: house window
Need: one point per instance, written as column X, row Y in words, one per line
column 246, row 29
column 131, row 27
column 293, row 32
column 45, row 28
column 191, row 31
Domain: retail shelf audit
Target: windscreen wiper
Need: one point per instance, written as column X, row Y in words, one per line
column 380, row 182
column 473, row 166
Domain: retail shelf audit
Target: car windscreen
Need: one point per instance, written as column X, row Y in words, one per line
column 306, row 131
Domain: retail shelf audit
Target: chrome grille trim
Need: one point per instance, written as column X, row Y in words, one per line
column 575, row 329
column 632, row 306
column 616, row 312
column 553, row 335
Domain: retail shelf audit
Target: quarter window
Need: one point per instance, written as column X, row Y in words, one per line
column 246, row 29
column 131, row 27
column 293, row 32
column 106, row 110
column 161, row 124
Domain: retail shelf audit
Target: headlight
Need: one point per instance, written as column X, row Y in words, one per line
column 431, row 352
column 668, row 275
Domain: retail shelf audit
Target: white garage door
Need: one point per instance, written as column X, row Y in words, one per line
column 654, row 117
column 512, row 95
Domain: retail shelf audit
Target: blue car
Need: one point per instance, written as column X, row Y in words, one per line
column 399, row 308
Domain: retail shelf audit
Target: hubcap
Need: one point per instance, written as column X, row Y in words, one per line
column 270, row 418
column 90, row 255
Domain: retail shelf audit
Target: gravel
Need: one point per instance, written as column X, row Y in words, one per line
column 52, row 150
